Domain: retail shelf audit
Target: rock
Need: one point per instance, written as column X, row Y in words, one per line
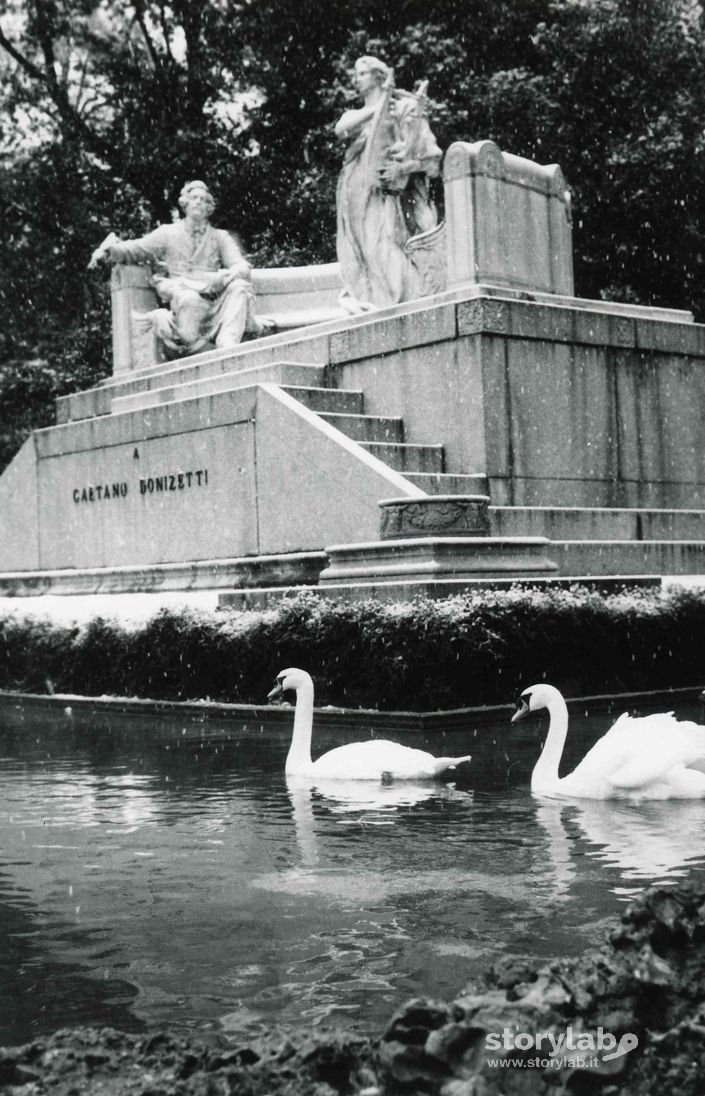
column 413, row 1021
column 644, row 984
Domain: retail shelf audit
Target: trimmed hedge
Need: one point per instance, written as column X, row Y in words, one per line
column 480, row 648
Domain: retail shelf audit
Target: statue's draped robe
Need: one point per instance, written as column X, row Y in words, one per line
column 375, row 223
column 371, row 232
column 199, row 312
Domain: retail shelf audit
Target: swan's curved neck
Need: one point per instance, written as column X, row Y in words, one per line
column 546, row 769
column 298, row 759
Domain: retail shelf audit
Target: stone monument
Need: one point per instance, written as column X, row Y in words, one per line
column 493, row 429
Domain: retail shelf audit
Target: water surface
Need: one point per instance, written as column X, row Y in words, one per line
column 163, row 872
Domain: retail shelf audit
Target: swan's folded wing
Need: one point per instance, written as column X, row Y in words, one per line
column 636, row 751
column 639, row 772
column 696, row 738
column 620, row 743
column 657, row 744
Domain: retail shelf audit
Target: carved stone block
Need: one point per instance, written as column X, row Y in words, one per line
column 434, row 516
column 480, row 315
column 428, row 253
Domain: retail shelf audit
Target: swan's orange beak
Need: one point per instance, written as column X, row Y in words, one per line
column 522, row 709
column 276, row 691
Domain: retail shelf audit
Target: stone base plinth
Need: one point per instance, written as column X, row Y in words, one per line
column 300, row 568
column 416, row 560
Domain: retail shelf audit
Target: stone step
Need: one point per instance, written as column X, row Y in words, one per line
column 450, row 483
column 403, row 457
column 624, row 557
column 342, row 401
column 284, row 373
column 284, row 570
column 597, row 523
column 369, row 428
column 99, row 400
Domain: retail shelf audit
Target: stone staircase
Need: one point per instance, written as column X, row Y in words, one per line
column 579, row 541
column 156, row 393
column 343, row 409
column 382, row 436
column 584, row 541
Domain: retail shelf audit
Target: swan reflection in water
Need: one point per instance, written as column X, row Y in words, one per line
column 445, row 843
column 349, row 796
column 649, row 842
column 359, row 802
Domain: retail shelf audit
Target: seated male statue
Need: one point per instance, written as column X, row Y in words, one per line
column 200, row 274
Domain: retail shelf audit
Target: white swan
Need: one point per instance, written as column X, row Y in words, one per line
column 651, row 757
column 377, row 759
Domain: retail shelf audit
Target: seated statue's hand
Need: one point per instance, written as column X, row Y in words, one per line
column 102, row 253
column 237, row 270
column 217, row 282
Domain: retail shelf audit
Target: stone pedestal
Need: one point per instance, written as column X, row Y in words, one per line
column 432, row 538
column 435, row 558
column 561, row 410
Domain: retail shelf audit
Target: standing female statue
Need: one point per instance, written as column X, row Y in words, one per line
column 383, row 196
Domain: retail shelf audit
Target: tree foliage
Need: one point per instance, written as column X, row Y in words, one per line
column 110, row 105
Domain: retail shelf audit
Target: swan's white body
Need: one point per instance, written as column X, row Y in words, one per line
column 651, row 757
column 377, row 759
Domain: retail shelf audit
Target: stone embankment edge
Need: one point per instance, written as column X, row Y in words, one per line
column 334, row 716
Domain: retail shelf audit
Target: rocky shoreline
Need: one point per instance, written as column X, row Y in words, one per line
column 642, row 991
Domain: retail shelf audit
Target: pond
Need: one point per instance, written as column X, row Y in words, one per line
column 157, row 871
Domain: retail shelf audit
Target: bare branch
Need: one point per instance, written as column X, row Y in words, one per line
column 29, row 67
column 138, row 6
column 46, row 76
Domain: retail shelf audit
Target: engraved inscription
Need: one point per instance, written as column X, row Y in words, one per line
column 147, row 485
column 100, row 492
column 174, row 481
